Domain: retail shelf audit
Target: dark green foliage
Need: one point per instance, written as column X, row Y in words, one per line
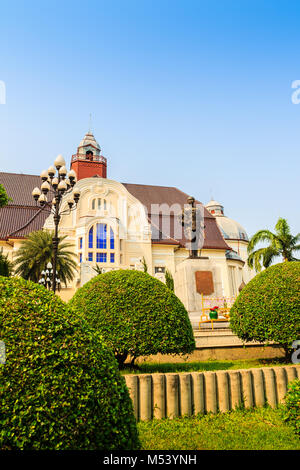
column 60, row 387
column 145, row 267
column 169, row 280
column 268, row 307
column 5, row 265
column 292, row 405
column 4, row 199
column 136, row 314
column 36, row 251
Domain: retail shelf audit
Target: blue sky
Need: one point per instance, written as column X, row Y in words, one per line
column 185, row 93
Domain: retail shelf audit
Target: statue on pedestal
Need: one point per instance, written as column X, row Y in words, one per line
column 192, row 219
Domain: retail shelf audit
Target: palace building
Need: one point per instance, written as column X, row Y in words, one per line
column 129, row 226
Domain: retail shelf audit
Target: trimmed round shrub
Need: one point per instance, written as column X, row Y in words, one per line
column 292, row 405
column 268, row 307
column 60, row 387
column 136, row 314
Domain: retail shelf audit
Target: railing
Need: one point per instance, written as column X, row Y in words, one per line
column 224, row 304
column 94, row 158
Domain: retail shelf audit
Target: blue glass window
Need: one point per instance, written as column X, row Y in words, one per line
column 80, row 258
column 90, row 256
column 101, row 236
column 80, row 243
column 101, row 257
column 91, row 236
column 112, row 239
column 112, row 257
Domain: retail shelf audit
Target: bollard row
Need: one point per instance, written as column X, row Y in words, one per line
column 185, row 394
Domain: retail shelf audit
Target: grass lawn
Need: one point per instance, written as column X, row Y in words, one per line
column 255, row 429
column 184, row 366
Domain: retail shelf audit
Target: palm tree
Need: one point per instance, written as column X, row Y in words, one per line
column 5, row 265
column 37, row 251
column 281, row 243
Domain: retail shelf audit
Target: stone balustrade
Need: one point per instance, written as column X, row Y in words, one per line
column 185, row 394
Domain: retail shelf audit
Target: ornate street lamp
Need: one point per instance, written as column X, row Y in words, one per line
column 60, row 183
column 47, row 275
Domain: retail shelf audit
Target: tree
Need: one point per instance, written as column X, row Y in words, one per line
column 4, row 199
column 136, row 314
column 281, row 243
column 169, row 280
column 60, row 385
column 145, row 266
column 98, row 269
column 268, row 307
column 36, row 251
column 6, row 266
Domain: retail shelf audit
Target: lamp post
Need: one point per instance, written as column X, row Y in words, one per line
column 45, row 279
column 60, row 183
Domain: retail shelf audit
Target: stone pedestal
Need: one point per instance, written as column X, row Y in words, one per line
column 185, row 283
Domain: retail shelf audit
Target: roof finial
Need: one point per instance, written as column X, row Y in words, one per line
column 90, row 126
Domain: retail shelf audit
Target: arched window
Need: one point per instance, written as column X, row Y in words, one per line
column 101, row 244
column 101, row 236
column 91, row 237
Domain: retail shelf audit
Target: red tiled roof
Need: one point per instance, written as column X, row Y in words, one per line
column 22, row 216
column 150, row 196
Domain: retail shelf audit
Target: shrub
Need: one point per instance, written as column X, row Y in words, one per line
column 60, row 385
column 268, row 307
column 292, row 405
column 136, row 314
column 169, row 280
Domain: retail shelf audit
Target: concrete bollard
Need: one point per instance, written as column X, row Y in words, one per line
column 247, row 388
column 258, row 387
column 172, row 395
column 145, row 397
column 223, row 391
column 185, row 395
column 210, row 392
column 291, row 373
column 198, row 396
column 270, row 386
column 281, row 383
column 159, row 396
column 235, row 389
column 132, row 384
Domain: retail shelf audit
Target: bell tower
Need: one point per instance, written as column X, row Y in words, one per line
column 88, row 162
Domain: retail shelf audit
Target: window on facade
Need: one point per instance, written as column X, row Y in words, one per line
column 99, row 203
column 101, row 257
column 80, row 243
column 159, row 269
column 80, row 257
column 101, row 240
column 112, row 239
column 91, row 237
column 101, row 236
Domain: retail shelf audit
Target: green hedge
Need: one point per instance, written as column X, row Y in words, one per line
column 136, row 314
column 268, row 307
column 60, row 387
column 292, row 405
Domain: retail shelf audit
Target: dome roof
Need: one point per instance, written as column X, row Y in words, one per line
column 230, row 229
